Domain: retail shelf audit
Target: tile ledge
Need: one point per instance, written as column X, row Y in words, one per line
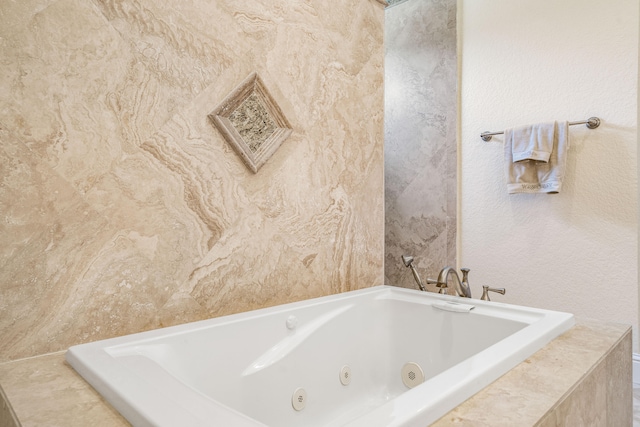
column 37, row 356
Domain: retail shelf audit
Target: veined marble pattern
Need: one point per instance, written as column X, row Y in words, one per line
column 420, row 138
column 123, row 209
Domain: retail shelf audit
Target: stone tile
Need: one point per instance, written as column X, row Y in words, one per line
column 170, row 43
column 126, row 211
column 420, row 138
column 78, row 102
column 636, row 407
column 619, row 370
column 566, row 380
column 63, row 397
column 48, row 236
column 587, row 404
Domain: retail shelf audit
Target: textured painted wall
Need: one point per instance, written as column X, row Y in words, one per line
column 534, row 61
column 420, row 138
column 123, row 208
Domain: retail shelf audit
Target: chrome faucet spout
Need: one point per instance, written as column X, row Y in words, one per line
column 461, row 287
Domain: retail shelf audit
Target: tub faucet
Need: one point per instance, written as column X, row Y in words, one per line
column 461, row 287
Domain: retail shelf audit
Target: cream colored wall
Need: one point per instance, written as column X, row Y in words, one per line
column 123, row 209
column 533, row 61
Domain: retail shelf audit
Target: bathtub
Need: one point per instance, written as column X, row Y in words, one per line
column 382, row 356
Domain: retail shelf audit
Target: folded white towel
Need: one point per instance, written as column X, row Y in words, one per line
column 533, row 142
column 532, row 176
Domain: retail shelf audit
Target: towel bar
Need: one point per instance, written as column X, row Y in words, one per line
column 591, row 122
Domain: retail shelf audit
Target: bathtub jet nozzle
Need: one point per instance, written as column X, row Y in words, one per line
column 408, row 262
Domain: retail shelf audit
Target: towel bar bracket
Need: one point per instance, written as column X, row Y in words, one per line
column 591, row 122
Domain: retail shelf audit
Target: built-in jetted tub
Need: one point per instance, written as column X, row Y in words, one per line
column 382, row 356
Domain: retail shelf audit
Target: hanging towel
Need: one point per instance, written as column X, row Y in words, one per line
column 533, row 176
column 533, row 142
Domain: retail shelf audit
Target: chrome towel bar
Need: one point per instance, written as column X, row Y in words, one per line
column 591, row 122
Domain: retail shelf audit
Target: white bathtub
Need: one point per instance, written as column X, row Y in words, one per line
column 248, row 369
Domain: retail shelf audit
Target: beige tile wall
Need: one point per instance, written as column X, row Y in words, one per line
column 420, row 138
column 604, row 395
column 121, row 207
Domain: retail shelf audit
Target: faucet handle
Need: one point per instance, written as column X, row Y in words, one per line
column 465, row 274
column 437, row 283
column 486, row 290
column 442, row 286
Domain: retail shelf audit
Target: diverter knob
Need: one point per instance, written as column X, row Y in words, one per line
column 486, row 290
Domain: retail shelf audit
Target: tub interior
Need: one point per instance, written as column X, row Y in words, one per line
column 257, row 374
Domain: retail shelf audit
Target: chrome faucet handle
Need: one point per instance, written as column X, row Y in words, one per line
column 465, row 274
column 443, row 286
column 486, row 290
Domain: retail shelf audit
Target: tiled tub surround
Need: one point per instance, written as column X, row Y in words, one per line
column 420, row 138
column 581, row 378
column 124, row 209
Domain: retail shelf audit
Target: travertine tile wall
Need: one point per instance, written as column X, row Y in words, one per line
column 123, row 209
column 420, row 138
column 603, row 397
